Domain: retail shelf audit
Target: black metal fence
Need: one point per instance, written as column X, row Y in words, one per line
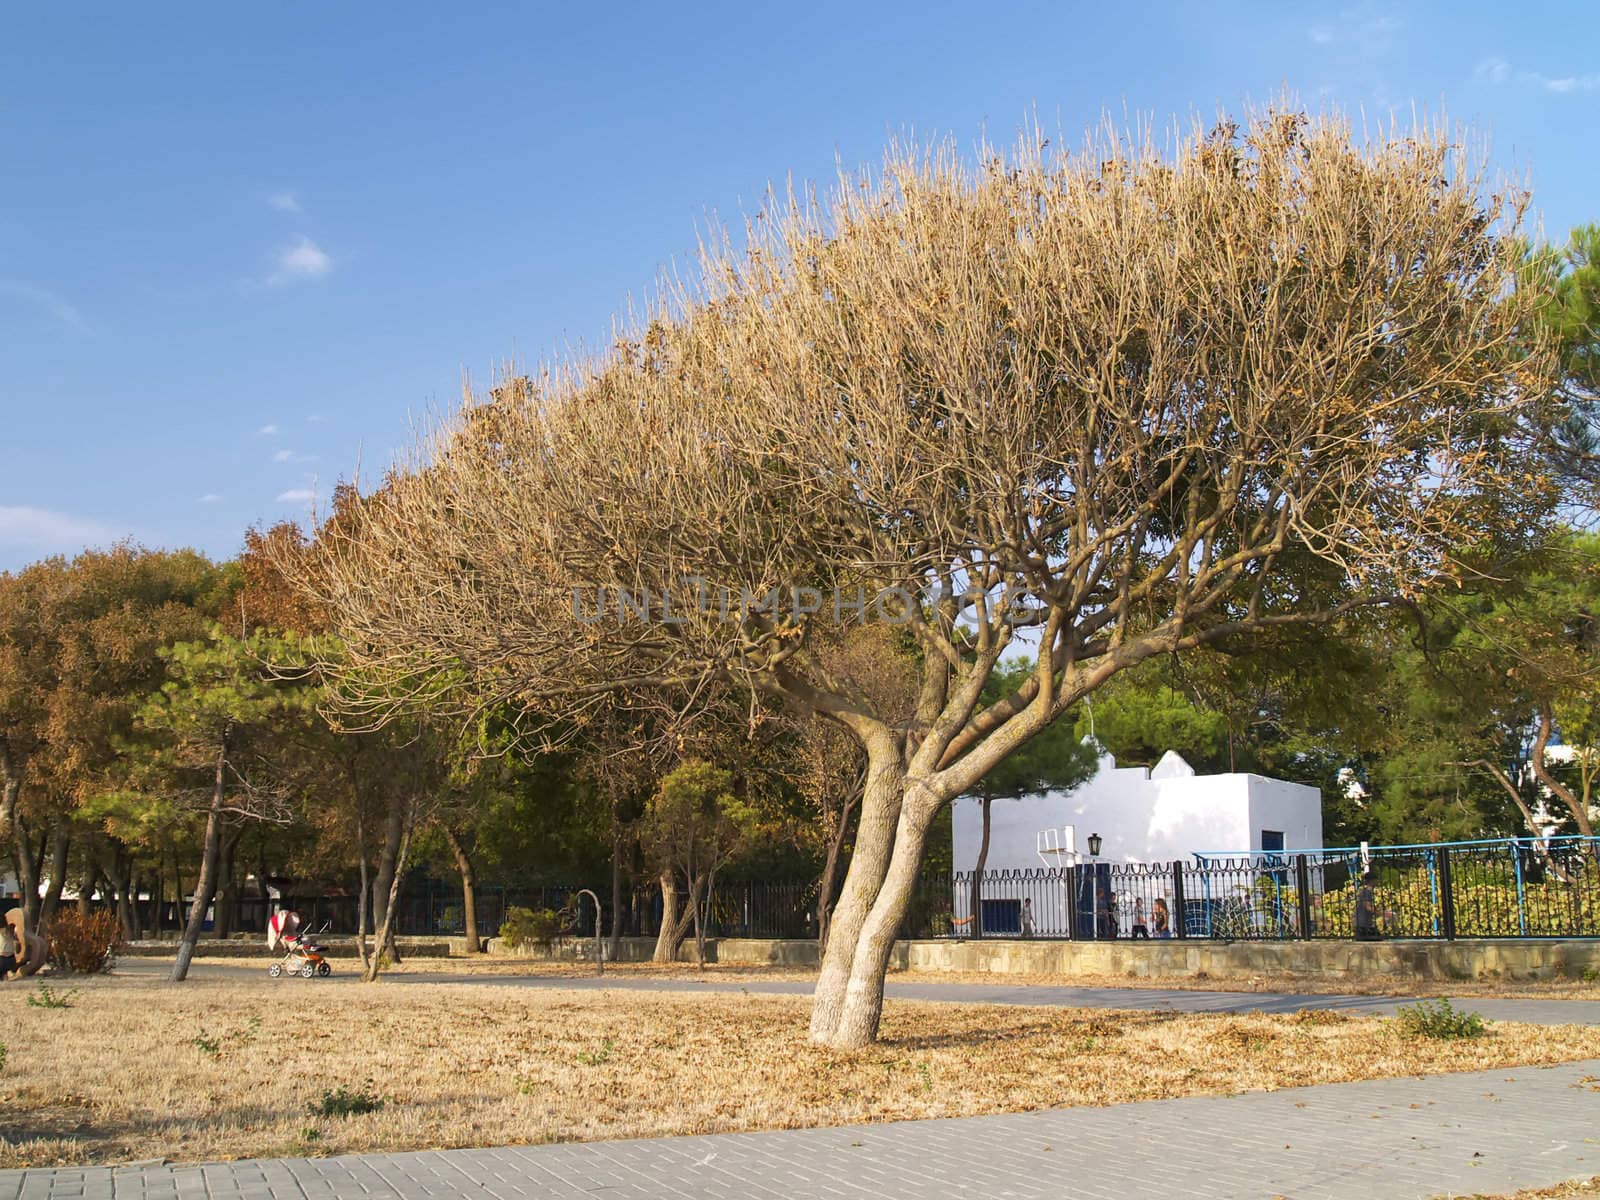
column 1508, row 888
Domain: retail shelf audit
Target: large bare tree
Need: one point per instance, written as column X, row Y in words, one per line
column 1138, row 400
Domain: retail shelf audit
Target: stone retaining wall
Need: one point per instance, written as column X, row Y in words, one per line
column 1472, row 958
column 1465, row 959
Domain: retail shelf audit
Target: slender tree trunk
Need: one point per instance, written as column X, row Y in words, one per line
column 384, row 894
column 880, row 812
column 829, row 882
column 60, row 848
column 158, row 898
column 386, row 929
column 86, row 888
column 976, row 911
column 469, row 890
column 616, row 879
column 700, row 900
column 206, row 885
column 178, row 888
column 366, row 889
column 1578, row 808
column 10, row 787
column 29, row 867
column 228, row 882
column 123, row 879
column 863, row 1001
column 125, row 911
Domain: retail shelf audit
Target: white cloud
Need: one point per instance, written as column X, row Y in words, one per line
column 293, row 456
column 1491, row 70
column 267, row 431
column 283, row 456
column 299, row 261
column 43, row 298
column 210, row 498
column 41, row 530
column 285, row 202
column 297, row 496
column 1359, row 29
column 1496, row 70
column 1570, row 83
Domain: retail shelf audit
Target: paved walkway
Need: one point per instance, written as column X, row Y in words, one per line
column 1534, row 1012
column 1486, row 1132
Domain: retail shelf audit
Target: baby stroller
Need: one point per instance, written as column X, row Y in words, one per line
column 301, row 955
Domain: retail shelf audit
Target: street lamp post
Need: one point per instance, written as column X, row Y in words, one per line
column 1100, row 900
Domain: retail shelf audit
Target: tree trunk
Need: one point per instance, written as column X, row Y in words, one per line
column 829, row 882
column 123, row 879
column 469, row 890
column 177, row 886
column 205, row 887
column 60, row 847
column 396, row 832
column 28, row 869
column 1578, row 808
column 228, row 883
column 976, row 910
column 862, row 1007
column 674, row 925
column 700, row 902
column 385, row 936
column 366, row 889
column 881, row 802
column 615, row 948
column 10, row 788
column 159, row 900
column 86, row 888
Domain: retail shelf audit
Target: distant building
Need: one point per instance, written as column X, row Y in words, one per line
column 1142, row 814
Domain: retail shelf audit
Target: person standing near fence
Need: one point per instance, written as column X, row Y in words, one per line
column 1366, row 916
column 1160, row 918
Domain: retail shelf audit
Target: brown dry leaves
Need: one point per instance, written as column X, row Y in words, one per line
column 224, row 1069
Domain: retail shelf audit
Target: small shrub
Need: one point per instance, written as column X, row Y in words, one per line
column 1438, row 1019
column 2, row 1056
column 208, row 1045
column 593, row 1058
column 526, row 927
column 345, row 1101
column 47, row 997
column 86, row 944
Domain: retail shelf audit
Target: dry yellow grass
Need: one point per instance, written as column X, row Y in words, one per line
column 1543, row 989
column 1577, row 1187
column 224, row 1068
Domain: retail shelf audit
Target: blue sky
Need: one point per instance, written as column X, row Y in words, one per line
column 243, row 246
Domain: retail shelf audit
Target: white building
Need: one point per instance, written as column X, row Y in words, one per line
column 1143, row 814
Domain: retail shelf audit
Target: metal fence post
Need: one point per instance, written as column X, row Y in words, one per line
column 1447, row 897
column 1180, row 917
column 1302, row 887
column 1070, row 875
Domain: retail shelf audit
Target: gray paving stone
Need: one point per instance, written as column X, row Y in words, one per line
column 1490, row 1131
